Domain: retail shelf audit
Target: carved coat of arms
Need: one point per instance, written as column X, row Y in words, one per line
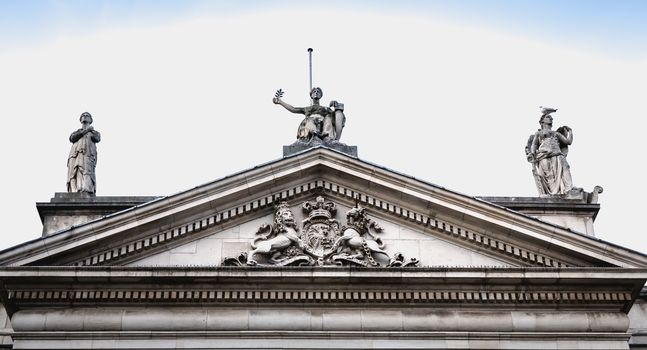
column 320, row 241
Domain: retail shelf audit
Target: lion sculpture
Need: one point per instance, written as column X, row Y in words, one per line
column 282, row 235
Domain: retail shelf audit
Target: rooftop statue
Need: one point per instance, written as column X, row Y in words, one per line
column 547, row 150
column 321, row 123
column 83, row 157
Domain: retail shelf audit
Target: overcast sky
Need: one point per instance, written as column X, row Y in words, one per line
column 446, row 91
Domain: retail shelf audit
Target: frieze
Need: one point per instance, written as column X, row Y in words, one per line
column 320, row 240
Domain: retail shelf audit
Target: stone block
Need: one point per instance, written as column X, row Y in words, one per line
column 279, row 319
column 227, row 319
column 160, row 259
column 232, row 248
column 342, row 320
column 101, row 319
column 188, row 248
column 25, row 320
column 381, row 320
column 440, row 253
column 605, row 322
column 171, row 319
column 638, row 315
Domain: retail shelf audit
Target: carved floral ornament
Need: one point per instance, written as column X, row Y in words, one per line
column 319, row 240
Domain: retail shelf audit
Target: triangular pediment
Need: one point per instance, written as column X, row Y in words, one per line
column 203, row 225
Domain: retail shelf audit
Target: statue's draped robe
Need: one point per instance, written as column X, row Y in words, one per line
column 317, row 121
column 82, row 162
column 552, row 169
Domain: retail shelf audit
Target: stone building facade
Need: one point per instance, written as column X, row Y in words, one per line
column 440, row 270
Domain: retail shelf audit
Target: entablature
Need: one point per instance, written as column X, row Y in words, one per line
column 612, row 289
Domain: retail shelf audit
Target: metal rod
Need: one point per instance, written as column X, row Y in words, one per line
column 310, row 67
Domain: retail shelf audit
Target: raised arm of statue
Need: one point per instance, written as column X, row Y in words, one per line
column 289, row 107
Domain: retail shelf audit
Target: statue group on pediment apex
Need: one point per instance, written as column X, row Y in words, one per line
column 321, row 124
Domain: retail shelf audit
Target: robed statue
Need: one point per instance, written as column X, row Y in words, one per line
column 321, row 124
column 83, row 157
column 547, row 150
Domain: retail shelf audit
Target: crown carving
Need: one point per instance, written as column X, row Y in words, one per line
column 320, row 209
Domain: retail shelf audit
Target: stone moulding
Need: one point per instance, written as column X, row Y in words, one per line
column 300, row 296
column 480, row 240
column 549, row 337
column 333, row 339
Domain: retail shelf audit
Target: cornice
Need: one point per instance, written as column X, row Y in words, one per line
column 577, row 288
column 306, row 275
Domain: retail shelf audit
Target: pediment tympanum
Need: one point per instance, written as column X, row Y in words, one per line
column 318, row 232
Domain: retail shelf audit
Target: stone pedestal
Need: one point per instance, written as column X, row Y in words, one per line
column 302, row 146
column 70, row 209
column 578, row 213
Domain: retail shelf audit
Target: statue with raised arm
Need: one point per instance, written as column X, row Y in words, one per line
column 83, row 157
column 547, row 150
column 321, row 124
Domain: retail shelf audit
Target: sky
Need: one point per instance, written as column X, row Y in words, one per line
column 445, row 91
